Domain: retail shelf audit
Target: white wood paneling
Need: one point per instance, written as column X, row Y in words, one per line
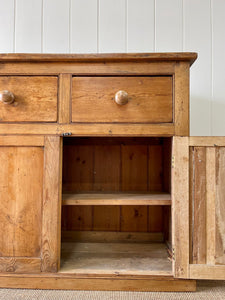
column 6, row 26
column 218, row 75
column 84, row 27
column 28, row 22
column 112, row 26
column 140, row 26
column 197, row 37
column 56, row 26
column 168, row 25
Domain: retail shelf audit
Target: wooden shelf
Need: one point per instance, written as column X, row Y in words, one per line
column 115, row 258
column 116, row 199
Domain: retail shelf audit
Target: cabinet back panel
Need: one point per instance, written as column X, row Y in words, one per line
column 115, row 165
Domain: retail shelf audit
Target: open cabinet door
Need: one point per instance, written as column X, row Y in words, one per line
column 198, row 207
column 30, row 203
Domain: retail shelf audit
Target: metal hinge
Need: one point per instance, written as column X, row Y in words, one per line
column 173, row 254
column 67, row 133
column 173, row 161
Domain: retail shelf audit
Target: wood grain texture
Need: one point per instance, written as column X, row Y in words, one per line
column 57, row 282
column 20, row 265
column 64, row 98
column 111, row 237
column 21, row 180
column 106, row 218
column 116, row 199
column 198, row 201
column 150, row 99
column 179, row 56
column 51, row 224
column 181, row 99
column 220, row 206
column 207, row 272
column 210, row 205
column 35, row 99
column 21, row 140
column 166, row 129
column 180, row 207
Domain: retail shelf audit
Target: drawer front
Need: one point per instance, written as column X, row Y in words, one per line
column 150, row 99
column 35, row 99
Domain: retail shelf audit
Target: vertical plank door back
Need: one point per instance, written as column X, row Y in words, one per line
column 205, row 219
column 22, row 177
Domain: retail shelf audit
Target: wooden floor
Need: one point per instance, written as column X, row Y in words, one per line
column 115, row 258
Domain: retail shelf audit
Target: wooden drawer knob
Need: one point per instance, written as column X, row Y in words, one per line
column 6, row 97
column 121, row 97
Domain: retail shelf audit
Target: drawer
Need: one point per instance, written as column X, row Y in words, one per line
column 150, row 99
column 35, row 99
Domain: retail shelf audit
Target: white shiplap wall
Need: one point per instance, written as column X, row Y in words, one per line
column 89, row 26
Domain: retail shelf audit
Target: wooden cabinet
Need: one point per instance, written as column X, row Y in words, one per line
column 101, row 185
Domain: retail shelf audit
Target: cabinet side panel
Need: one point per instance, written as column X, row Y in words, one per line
column 220, row 206
column 21, row 180
column 198, row 203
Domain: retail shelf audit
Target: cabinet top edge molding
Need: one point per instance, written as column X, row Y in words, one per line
column 99, row 57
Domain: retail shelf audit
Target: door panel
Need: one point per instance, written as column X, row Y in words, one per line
column 206, row 219
column 22, row 183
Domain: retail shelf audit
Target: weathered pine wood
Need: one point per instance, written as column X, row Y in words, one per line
column 199, row 206
column 107, row 258
column 57, row 282
column 213, row 272
column 220, row 206
column 180, row 207
column 21, row 140
column 89, row 129
column 207, row 141
column 20, row 57
column 181, row 99
column 35, row 99
column 20, row 265
column 21, row 180
column 116, row 199
column 147, row 103
column 111, row 236
column 64, row 98
column 210, row 205
column 51, row 224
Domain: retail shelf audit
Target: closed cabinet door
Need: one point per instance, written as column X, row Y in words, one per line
column 199, row 207
column 29, row 203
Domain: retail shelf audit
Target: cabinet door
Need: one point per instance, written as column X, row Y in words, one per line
column 29, row 203
column 198, row 206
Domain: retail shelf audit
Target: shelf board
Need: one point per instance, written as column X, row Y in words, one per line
column 115, row 258
column 116, row 199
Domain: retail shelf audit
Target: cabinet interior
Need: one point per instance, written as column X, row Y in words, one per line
column 116, row 205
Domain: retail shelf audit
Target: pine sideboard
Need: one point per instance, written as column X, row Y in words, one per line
column 102, row 188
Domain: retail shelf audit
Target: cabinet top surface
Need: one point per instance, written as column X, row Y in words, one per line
column 27, row 57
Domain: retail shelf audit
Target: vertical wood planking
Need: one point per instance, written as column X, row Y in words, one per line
column 56, row 24
column 155, row 168
column 168, row 25
column 218, row 72
column 51, row 223
column 210, row 204
column 106, row 179
column 134, row 218
column 84, row 26
column 78, row 168
column 180, row 206
column 140, row 26
column 78, row 218
column 28, row 26
column 7, row 26
column 197, row 37
column 220, row 206
column 112, row 26
column 198, row 179
column 155, row 219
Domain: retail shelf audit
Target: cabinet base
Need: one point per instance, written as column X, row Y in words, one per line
column 58, row 282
